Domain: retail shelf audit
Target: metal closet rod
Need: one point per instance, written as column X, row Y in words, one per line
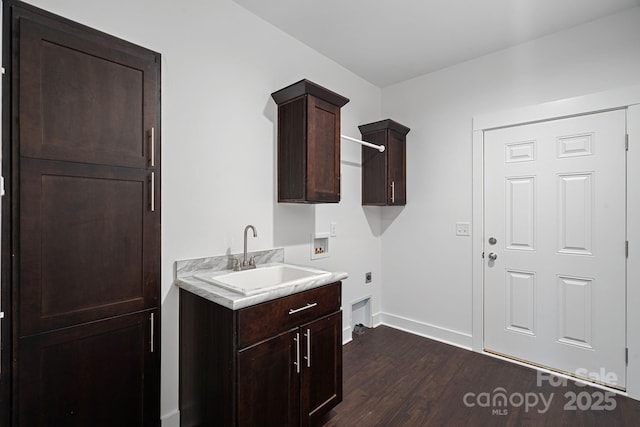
column 380, row 148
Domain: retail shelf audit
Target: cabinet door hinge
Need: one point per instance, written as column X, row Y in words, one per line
column 626, row 249
column 626, row 142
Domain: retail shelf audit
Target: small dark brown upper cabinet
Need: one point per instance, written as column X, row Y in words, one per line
column 384, row 181
column 308, row 143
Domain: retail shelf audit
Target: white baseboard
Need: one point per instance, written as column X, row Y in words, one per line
column 172, row 419
column 426, row 330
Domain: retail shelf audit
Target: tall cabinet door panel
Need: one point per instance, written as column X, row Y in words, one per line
column 88, row 244
column 89, row 375
column 82, row 100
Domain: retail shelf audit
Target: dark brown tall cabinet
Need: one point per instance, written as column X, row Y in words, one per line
column 308, row 143
column 83, row 208
column 384, row 175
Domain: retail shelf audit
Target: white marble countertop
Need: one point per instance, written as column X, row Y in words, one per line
column 235, row 301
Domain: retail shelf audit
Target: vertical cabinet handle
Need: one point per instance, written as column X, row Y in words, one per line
column 152, row 191
column 297, row 362
column 393, row 191
column 152, row 147
column 152, row 320
column 308, row 356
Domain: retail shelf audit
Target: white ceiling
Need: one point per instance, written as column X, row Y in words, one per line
column 388, row 41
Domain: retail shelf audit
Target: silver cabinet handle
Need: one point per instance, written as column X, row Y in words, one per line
column 297, row 362
column 152, row 320
column 306, row 307
column 153, row 191
column 152, row 147
column 308, row 348
column 393, row 191
column 493, row 256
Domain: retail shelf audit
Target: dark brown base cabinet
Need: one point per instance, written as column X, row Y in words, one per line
column 264, row 365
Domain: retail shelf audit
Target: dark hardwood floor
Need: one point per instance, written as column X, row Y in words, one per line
column 393, row 378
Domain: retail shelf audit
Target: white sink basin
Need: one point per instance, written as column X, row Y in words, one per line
column 264, row 278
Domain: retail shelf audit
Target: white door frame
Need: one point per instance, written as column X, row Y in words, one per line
column 619, row 98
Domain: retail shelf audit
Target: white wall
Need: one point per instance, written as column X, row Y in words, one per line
column 220, row 65
column 426, row 267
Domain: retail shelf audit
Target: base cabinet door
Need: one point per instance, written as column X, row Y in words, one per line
column 321, row 372
column 97, row 374
column 268, row 386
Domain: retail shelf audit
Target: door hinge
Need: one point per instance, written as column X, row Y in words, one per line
column 626, row 249
column 626, row 142
column 626, row 355
column 1, row 314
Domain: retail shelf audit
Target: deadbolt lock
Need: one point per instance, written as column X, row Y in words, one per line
column 492, row 240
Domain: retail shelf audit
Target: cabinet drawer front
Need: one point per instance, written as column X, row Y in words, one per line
column 264, row 320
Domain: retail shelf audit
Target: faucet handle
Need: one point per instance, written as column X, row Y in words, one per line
column 236, row 264
column 252, row 261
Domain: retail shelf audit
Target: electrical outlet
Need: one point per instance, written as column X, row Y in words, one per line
column 367, row 277
column 462, row 228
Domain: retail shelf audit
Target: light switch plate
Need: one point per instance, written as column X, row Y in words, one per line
column 332, row 229
column 463, row 228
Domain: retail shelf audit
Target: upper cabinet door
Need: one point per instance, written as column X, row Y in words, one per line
column 83, row 101
column 323, row 151
column 397, row 168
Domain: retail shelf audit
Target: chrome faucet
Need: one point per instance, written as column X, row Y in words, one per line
column 251, row 263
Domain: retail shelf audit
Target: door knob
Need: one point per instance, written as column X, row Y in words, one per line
column 493, row 256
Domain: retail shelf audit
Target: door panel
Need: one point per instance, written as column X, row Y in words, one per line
column 323, row 151
column 321, row 372
column 93, row 374
column 88, row 244
column 73, row 91
column 397, row 193
column 555, row 202
column 374, row 166
column 272, row 399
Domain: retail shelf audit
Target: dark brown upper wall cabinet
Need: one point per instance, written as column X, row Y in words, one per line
column 384, row 181
column 308, row 143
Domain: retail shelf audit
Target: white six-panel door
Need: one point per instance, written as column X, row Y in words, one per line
column 555, row 204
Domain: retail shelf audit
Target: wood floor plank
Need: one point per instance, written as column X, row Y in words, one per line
column 393, row 378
